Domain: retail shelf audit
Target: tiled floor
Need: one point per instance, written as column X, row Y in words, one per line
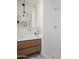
column 36, row 57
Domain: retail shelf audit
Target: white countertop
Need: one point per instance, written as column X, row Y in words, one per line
column 28, row 38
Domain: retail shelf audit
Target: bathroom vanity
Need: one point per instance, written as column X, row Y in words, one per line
column 28, row 47
column 29, row 29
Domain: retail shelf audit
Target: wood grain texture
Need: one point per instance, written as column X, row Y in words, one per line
column 28, row 47
column 29, row 51
column 28, row 43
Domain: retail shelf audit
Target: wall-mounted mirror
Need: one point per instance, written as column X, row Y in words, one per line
column 26, row 13
column 29, row 18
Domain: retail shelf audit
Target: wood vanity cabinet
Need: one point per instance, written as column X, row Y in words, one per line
column 28, row 47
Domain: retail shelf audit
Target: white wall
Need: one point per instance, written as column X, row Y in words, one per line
column 39, row 15
column 51, row 48
column 33, row 18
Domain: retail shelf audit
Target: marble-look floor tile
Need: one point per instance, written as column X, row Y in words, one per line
column 36, row 57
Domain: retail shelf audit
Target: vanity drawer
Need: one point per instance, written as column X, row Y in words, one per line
column 28, row 43
column 29, row 50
